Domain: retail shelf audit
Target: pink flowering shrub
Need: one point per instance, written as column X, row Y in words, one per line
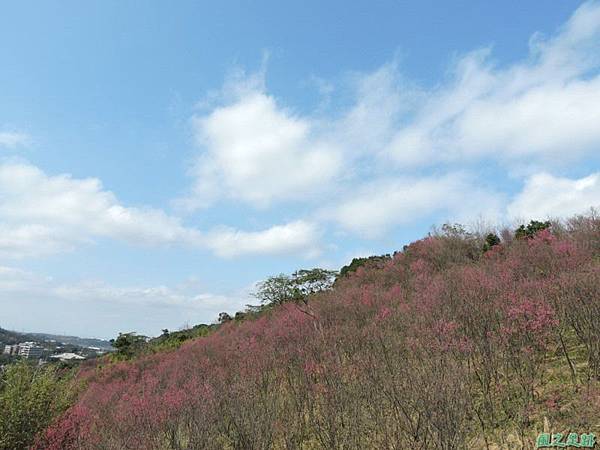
column 427, row 350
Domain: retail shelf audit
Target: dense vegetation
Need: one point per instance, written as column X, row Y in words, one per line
column 460, row 341
column 130, row 345
column 30, row 398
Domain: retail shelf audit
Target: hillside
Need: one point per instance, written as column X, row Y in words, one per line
column 12, row 337
column 52, row 341
column 460, row 341
column 73, row 340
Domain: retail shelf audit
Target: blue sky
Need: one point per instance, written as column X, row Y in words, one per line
column 157, row 159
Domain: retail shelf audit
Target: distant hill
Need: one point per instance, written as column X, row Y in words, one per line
column 73, row 340
column 14, row 337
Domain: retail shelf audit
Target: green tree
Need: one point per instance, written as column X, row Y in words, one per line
column 359, row 262
column 282, row 288
column 529, row 231
column 491, row 240
column 128, row 345
column 275, row 290
column 310, row 281
column 224, row 317
column 30, row 398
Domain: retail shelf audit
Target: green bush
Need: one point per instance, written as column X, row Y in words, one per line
column 531, row 230
column 30, row 398
column 490, row 240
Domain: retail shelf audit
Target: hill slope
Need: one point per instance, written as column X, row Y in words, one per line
column 73, row 340
column 443, row 346
column 12, row 337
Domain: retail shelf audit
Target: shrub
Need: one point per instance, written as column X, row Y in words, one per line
column 490, row 240
column 438, row 347
column 531, row 229
column 30, row 397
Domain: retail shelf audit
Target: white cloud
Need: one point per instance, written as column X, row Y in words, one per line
column 547, row 196
column 12, row 139
column 538, row 110
column 545, row 107
column 378, row 206
column 32, row 240
column 532, row 114
column 42, row 214
column 299, row 237
column 98, row 308
column 258, row 152
column 379, row 100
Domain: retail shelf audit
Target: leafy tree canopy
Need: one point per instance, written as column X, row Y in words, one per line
column 359, row 262
column 490, row 240
column 281, row 288
column 128, row 344
column 30, row 397
column 531, row 229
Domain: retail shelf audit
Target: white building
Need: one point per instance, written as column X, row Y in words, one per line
column 68, row 357
column 30, row 350
column 11, row 349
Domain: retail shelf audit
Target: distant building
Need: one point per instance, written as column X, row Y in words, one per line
column 67, row 357
column 11, row 349
column 30, row 350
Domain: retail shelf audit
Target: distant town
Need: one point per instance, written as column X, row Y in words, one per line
column 35, row 350
column 43, row 348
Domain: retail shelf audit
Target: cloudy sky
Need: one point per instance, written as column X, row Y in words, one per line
column 157, row 159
